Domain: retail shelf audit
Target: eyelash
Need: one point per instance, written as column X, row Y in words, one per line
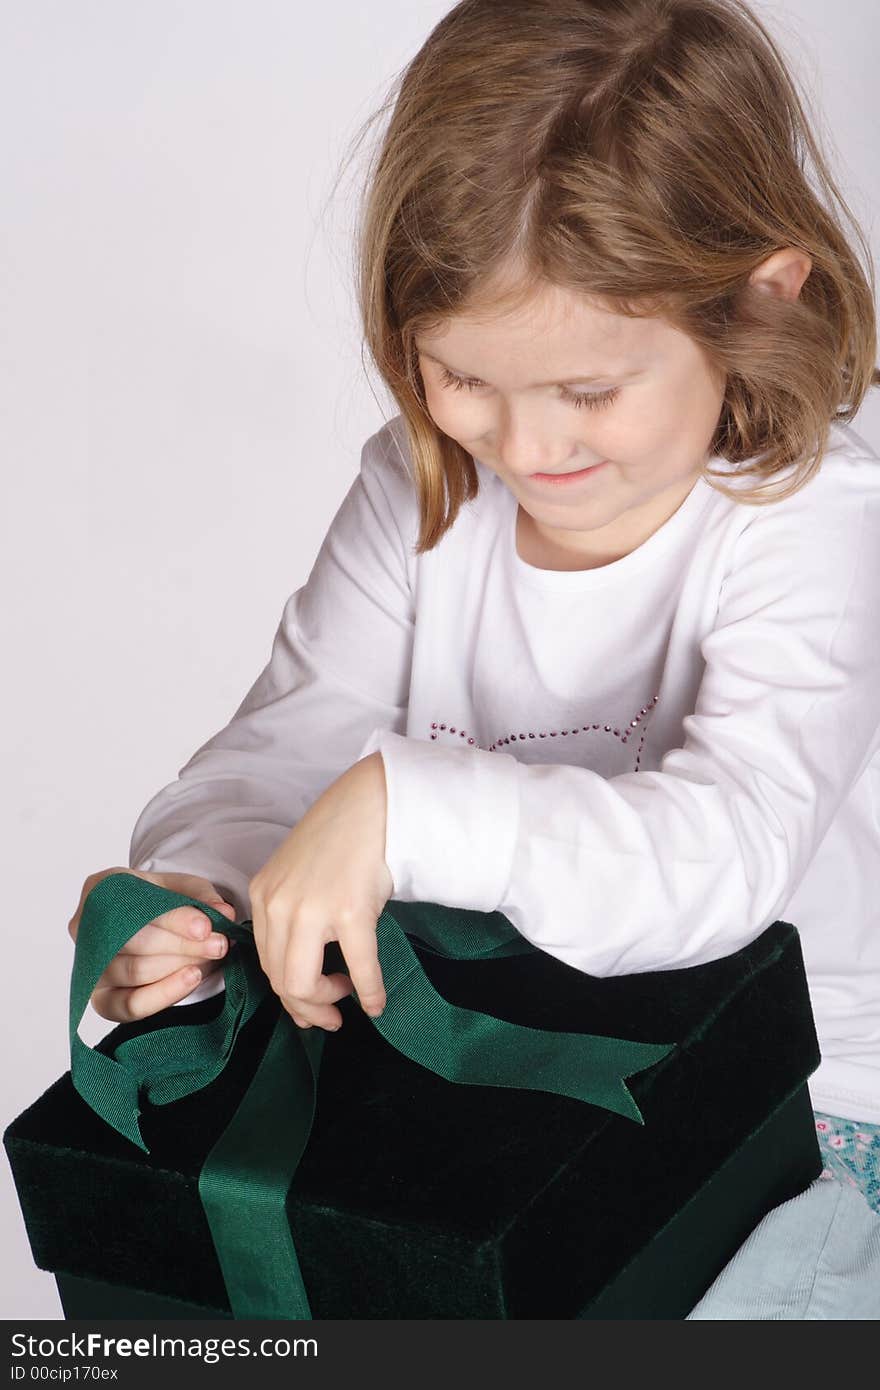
column 593, row 402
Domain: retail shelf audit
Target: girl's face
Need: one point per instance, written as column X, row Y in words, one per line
column 560, row 386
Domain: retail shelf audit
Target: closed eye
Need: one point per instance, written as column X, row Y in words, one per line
column 578, row 399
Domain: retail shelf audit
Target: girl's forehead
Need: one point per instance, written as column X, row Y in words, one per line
column 532, row 333
column 547, row 311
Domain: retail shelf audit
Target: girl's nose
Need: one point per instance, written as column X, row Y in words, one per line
column 525, row 443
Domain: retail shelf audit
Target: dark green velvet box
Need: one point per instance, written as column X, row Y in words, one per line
column 418, row 1197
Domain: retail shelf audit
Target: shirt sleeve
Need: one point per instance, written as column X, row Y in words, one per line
column 339, row 667
column 675, row 867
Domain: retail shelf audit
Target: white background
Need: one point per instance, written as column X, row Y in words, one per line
column 183, row 403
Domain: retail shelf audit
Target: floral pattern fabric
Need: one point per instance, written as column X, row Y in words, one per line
column 851, row 1153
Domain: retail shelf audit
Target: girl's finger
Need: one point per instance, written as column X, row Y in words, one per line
column 308, row 1004
column 361, row 951
column 126, row 971
column 190, row 923
column 273, row 937
column 300, row 977
column 129, row 1005
column 156, row 940
column 314, row 1010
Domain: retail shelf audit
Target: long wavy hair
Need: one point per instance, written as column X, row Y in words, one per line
column 646, row 153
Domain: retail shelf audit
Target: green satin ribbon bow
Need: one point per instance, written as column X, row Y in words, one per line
column 244, row 1181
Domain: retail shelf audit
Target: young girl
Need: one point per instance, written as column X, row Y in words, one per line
column 592, row 639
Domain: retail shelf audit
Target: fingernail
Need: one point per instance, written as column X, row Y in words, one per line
column 375, row 1011
column 216, row 945
column 199, row 927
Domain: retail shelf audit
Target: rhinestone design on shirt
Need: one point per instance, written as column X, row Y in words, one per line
column 504, row 739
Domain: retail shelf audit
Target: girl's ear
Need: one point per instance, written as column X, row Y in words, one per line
column 783, row 273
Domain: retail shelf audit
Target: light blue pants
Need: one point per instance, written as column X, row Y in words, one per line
column 816, row 1257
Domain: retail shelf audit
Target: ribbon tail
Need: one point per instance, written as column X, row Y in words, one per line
column 109, row 1088
column 619, row 1098
column 478, row 1049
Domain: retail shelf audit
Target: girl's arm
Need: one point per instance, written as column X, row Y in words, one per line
column 678, row 866
column 339, row 667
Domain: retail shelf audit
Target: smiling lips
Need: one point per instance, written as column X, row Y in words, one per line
column 566, row 479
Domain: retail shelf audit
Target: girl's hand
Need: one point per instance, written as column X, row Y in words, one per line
column 327, row 881
column 150, row 972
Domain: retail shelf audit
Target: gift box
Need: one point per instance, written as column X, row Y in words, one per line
column 417, row 1196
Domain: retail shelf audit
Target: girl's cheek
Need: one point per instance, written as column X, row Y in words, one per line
column 459, row 421
column 436, row 408
column 616, row 437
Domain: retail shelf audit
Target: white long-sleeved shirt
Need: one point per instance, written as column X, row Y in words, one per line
column 642, row 765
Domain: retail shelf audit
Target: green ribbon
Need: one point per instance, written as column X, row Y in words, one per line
column 244, row 1181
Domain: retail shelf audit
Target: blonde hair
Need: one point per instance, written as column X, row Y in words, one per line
column 647, row 153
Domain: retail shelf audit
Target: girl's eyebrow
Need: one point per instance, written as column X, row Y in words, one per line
column 570, row 381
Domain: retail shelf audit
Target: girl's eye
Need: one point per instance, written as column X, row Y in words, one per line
column 591, row 402
column 578, row 400
column 457, row 382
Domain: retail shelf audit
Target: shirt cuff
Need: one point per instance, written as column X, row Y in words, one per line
column 452, row 821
